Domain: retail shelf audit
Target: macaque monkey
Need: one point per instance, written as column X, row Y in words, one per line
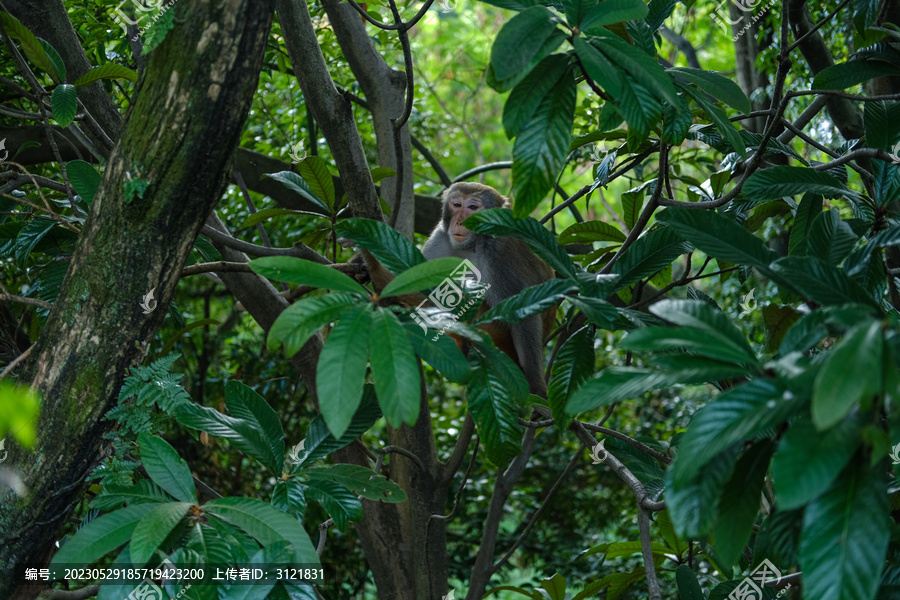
column 507, row 264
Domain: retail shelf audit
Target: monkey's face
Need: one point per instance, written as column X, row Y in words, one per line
column 461, row 208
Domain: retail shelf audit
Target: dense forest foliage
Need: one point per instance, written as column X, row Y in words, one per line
column 205, row 393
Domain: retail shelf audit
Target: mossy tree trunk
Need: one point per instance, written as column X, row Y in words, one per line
column 189, row 108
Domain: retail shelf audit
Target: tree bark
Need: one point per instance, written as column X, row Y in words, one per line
column 193, row 99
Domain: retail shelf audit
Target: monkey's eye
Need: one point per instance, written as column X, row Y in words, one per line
column 473, row 206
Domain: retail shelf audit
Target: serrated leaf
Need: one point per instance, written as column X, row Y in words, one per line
column 783, row 180
column 723, row 125
column 245, row 404
column 341, row 370
column 494, row 411
column 830, row 239
column 610, row 12
column 153, row 529
column 113, row 496
column 393, row 251
column 422, row 276
column 651, row 252
column 395, row 371
column 314, row 172
column 530, row 301
column 820, row 282
column 319, row 442
column 64, row 101
column 29, row 236
column 166, row 468
column 688, row 586
column 31, row 46
column 591, row 231
column 527, row 95
column 573, row 365
column 638, row 64
column 693, row 503
column 360, row 480
column 519, row 40
column 341, row 504
column 301, row 320
column 295, row 183
column 632, row 203
column 809, row 208
column 305, row 272
column 84, row 178
column 106, row 71
column 441, row 352
column 101, row 536
column 59, row 67
column 598, row 67
column 850, row 73
column 717, row 86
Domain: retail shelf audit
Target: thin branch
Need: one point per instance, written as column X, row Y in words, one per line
column 299, row 250
column 219, row 266
column 629, row 440
column 6, row 371
column 505, row 164
column 23, row 300
column 459, row 492
column 396, row 450
column 653, row 590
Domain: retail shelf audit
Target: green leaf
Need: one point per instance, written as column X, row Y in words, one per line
column 84, row 178
column 295, row 183
column 809, row 208
column 716, row 85
column 845, row 537
column 379, row 173
column 718, row 236
column 101, row 536
column 517, row 5
column 156, row 33
column 651, row 253
column 830, row 239
column 881, row 120
column 494, row 411
column 808, row 461
column 610, row 12
column 393, row 251
column 59, row 67
column 688, row 585
column 865, row 12
column 530, row 301
column 64, row 101
column 319, row 442
column 245, row 404
column 632, row 203
column 576, row 10
column 850, row 373
column 740, row 500
column 33, row 49
column 598, row 67
column 850, row 73
column 341, row 504
column 591, row 231
column 541, row 147
column 302, row 319
column 527, row 95
column 500, row 222
column 166, row 468
column 546, row 49
column 341, row 370
column 441, row 352
column 264, row 523
column 395, row 371
column 113, row 496
column 106, row 71
column 637, row 63
column 574, row 364
column 519, row 40
column 783, row 180
column 694, row 503
column 615, row 384
column 153, row 529
column 723, row 125
column 29, row 237
column 305, row 272
column 423, row 276
column 733, row 417
column 820, row 282
column 596, row 310
column 314, row 172
column 268, row 213
column 360, row 480
column 712, row 321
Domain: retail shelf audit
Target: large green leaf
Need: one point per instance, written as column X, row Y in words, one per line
column 314, row 172
column 610, row 12
column 783, row 180
column 525, row 98
column 101, row 536
column 882, row 120
column 688, row 585
column 166, row 468
column 243, row 435
column 245, row 404
column 31, row 46
column 717, row 86
column 599, row 68
column 341, row 370
column 298, row 322
column 422, row 276
column 808, row 461
column 820, row 282
column 113, row 496
column 850, row 373
column 573, row 365
column 388, row 245
column 637, row 63
column 153, row 529
column 305, row 272
column 360, row 480
column 59, row 67
column 439, row 351
column 520, row 39
column 29, row 237
column 725, row 127
column 494, row 411
column 265, row 523
column 694, row 502
column 557, row 37
column 718, row 236
column 850, row 73
column 740, row 500
column 809, row 208
column 395, row 371
column 64, row 101
column 295, row 183
column 733, row 417
column 542, row 145
column 615, row 384
column 651, row 253
column 591, row 231
column 500, row 222
column 106, row 71
column 712, row 321
column 830, row 238
column 341, row 504
column 319, row 442
column 845, row 536
column 530, row 301
column 84, row 178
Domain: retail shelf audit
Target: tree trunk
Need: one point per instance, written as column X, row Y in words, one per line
column 191, row 104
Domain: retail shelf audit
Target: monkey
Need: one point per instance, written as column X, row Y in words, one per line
column 507, row 264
